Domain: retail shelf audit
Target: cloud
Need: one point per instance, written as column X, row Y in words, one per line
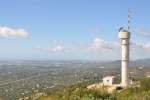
column 98, row 45
column 55, row 49
column 136, row 46
column 147, row 46
column 58, row 48
column 138, row 50
column 140, row 47
column 6, row 32
column 101, row 49
column 143, row 32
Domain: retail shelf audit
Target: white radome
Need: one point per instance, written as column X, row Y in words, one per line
column 124, row 35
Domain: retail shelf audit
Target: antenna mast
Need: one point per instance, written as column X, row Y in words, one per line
column 129, row 19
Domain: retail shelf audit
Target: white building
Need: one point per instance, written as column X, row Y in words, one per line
column 108, row 80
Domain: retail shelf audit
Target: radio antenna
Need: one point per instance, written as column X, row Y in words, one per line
column 129, row 19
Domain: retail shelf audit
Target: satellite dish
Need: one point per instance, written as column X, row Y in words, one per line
column 120, row 29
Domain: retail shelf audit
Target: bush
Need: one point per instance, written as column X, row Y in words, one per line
column 80, row 92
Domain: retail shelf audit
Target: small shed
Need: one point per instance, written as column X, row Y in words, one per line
column 108, row 80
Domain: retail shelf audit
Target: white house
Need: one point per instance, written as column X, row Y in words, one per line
column 108, row 80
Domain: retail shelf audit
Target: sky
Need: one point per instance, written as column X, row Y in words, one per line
column 72, row 29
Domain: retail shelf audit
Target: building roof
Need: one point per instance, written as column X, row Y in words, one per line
column 108, row 77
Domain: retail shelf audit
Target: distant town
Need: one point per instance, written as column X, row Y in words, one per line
column 22, row 79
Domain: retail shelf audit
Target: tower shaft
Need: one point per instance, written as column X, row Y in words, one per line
column 125, row 62
column 124, row 37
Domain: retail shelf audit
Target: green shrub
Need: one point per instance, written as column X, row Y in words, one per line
column 80, row 92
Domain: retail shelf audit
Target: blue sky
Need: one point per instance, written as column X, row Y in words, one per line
column 72, row 29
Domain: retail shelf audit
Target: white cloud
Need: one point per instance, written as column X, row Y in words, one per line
column 138, row 46
column 6, row 32
column 55, row 49
column 100, row 48
column 134, row 46
column 138, row 50
column 58, row 48
column 98, row 45
column 147, row 46
column 143, row 32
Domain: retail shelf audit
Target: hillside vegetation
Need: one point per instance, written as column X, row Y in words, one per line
column 80, row 92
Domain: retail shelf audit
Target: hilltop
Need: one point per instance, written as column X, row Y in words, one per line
column 80, row 92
